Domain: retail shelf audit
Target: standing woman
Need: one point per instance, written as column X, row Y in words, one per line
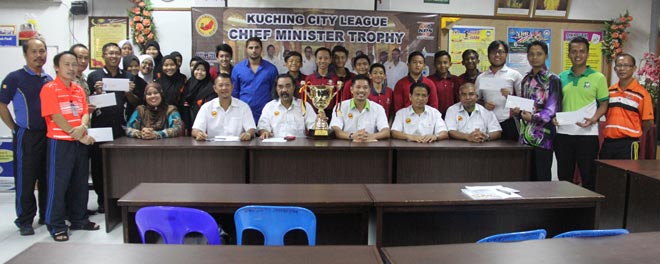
column 199, row 90
column 146, row 68
column 126, row 48
column 131, row 64
column 172, row 82
column 155, row 119
column 537, row 130
column 153, row 48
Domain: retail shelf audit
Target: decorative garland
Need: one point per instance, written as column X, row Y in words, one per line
column 142, row 22
column 615, row 35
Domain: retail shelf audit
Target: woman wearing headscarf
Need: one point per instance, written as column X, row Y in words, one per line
column 126, row 49
column 172, row 82
column 131, row 64
column 153, row 48
column 199, row 90
column 155, row 119
column 179, row 58
column 146, row 68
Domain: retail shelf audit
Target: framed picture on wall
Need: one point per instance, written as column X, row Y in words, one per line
column 513, row 7
column 551, row 8
column 103, row 30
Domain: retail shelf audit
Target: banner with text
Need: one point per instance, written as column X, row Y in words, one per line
column 518, row 39
column 288, row 29
column 462, row 38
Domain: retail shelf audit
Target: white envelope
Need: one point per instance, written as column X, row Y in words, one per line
column 103, row 100
column 523, row 103
column 225, row 138
column 101, row 134
column 274, row 140
column 114, row 84
column 567, row 121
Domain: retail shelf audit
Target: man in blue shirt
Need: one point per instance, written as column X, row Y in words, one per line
column 254, row 78
column 22, row 87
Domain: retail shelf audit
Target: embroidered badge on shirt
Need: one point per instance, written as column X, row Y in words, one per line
column 214, row 113
column 460, row 118
column 350, row 115
column 4, row 86
column 587, row 85
column 277, row 113
column 408, row 120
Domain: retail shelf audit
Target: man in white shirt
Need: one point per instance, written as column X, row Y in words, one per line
column 308, row 62
column 283, row 116
column 225, row 115
column 361, row 120
column 495, row 84
column 419, row 122
column 467, row 120
column 396, row 69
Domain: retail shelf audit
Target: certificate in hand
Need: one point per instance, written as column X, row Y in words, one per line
column 113, row 84
column 101, row 134
column 103, row 100
column 523, row 103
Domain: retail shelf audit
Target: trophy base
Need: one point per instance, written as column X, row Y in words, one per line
column 321, row 134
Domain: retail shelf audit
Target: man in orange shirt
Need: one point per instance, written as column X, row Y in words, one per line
column 64, row 106
column 630, row 113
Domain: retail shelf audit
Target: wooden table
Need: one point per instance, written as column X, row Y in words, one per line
column 629, row 186
column 461, row 161
column 632, row 248
column 342, row 210
column 439, row 213
column 128, row 162
column 320, row 161
column 71, row 253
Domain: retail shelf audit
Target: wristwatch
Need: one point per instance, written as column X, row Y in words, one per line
column 350, row 136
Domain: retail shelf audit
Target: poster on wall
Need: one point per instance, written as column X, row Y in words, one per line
column 8, row 37
column 595, row 59
column 462, row 38
column 518, row 39
column 104, row 30
column 372, row 33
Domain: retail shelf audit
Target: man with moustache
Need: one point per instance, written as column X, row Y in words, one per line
column 362, row 120
column 495, row 84
column 469, row 121
column 283, row 116
column 253, row 78
column 22, row 87
column 225, row 115
column 110, row 116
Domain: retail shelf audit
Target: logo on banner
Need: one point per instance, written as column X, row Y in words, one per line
column 206, row 25
column 425, row 30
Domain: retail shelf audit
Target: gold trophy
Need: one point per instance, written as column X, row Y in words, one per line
column 321, row 96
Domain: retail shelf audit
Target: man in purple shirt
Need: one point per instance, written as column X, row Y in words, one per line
column 253, row 78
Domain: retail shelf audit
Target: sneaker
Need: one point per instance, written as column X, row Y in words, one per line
column 26, row 231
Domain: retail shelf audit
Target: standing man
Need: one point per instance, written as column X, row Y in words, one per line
column 402, row 88
column 323, row 76
column 111, row 116
column 22, row 87
column 308, row 62
column 578, row 143
column 65, row 109
column 494, row 85
column 630, row 113
column 471, row 63
column 446, row 84
column 82, row 55
column 253, row 78
column 396, row 69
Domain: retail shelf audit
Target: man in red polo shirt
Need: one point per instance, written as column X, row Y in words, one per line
column 630, row 113
column 402, row 88
column 64, row 107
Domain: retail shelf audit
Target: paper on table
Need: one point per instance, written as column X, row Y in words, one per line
column 225, row 138
column 101, row 134
column 489, row 192
column 103, row 100
column 567, row 121
column 523, row 103
column 274, row 140
column 115, row 84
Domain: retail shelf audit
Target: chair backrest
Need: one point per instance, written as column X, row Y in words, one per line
column 173, row 223
column 274, row 222
column 593, row 233
column 515, row 236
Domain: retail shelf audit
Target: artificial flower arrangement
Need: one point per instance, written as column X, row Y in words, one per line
column 649, row 74
column 141, row 22
column 615, row 35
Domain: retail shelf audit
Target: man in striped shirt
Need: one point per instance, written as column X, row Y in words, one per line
column 630, row 112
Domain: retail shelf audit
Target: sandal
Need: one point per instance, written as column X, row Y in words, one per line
column 89, row 226
column 61, row 236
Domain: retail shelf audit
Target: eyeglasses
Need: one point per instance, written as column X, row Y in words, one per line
column 623, row 66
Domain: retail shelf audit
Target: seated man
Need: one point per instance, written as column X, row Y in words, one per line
column 419, row 122
column 283, row 116
column 361, row 120
column 225, row 115
column 467, row 120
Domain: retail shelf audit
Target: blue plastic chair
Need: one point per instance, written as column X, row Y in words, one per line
column 274, row 222
column 593, row 233
column 173, row 223
column 515, row 236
